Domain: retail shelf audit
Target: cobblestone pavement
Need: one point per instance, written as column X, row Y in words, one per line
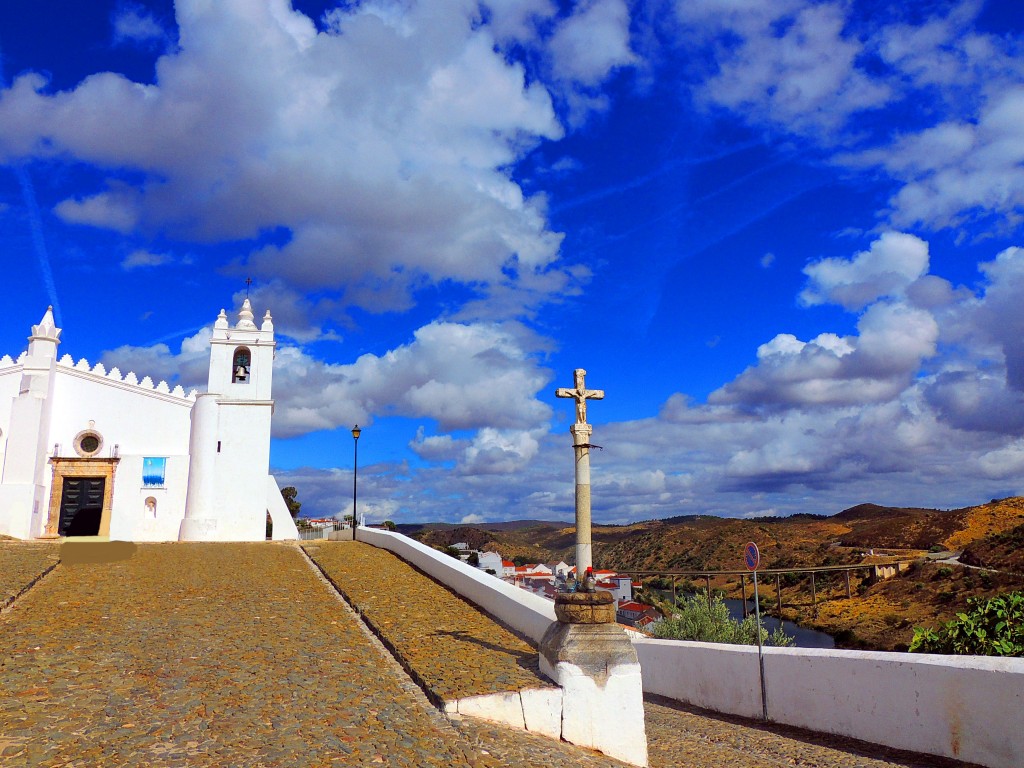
column 450, row 647
column 416, row 615
column 204, row 655
column 21, row 564
column 240, row 655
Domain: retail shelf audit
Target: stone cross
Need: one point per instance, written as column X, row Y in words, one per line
column 581, row 432
column 581, row 394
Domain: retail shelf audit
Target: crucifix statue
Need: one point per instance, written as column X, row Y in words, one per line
column 581, row 394
column 581, row 432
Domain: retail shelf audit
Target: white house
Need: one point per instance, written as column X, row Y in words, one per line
column 492, row 561
column 86, row 451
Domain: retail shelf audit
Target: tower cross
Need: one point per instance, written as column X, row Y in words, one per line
column 580, row 394
column 248, row 282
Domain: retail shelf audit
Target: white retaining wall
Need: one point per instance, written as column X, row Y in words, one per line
column 965, row 707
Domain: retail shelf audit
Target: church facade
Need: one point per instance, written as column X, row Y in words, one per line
column 90, row 452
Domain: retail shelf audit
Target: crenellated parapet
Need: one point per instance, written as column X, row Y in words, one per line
column 131, row 379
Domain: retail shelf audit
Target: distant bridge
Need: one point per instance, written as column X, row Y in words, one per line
column 876, row 572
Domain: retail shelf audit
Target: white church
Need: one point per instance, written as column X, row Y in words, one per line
column 90, row 452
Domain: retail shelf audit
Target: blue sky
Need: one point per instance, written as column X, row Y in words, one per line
column 781, row 235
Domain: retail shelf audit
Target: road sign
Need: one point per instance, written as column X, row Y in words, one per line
column 751, row 556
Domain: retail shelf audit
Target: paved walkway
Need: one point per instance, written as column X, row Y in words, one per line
column 240, row 655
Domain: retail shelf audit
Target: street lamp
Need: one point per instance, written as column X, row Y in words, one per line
column 356, row 431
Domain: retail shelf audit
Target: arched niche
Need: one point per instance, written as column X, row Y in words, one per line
column 241, row 362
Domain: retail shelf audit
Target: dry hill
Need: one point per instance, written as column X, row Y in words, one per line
column 879, row 615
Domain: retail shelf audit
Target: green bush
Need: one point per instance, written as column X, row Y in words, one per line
column 694, row 619
column 992, row 627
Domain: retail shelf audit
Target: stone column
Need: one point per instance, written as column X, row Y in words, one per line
column 581, row 444
column 590, row 657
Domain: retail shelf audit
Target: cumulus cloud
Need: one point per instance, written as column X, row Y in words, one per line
column 787, row 63
column 887, row 268
column 874, row 366
column 592, row 42
column 815, row 70
column 380, row 144
column 461, row 376
column 190, row 366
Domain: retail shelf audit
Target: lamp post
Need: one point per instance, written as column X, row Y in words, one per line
column 356, row 431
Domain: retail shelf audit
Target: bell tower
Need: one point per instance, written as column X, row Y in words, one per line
column 229, row 447
column 242, row 356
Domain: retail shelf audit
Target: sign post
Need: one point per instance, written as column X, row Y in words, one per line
column 752, row 559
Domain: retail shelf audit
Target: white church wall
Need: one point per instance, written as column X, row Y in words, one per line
column 137, row 421
column 243, row 432
column 132, row 519
column 10, row 378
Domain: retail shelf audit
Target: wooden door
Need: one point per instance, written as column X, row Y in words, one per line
column 81, row 506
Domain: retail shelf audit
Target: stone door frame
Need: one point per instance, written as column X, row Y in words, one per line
column 68, row 467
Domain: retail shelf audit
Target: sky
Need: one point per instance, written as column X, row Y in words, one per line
column 786, row 238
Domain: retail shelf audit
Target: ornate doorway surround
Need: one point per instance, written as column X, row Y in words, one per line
column 105, row 468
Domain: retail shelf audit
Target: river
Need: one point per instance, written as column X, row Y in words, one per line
column 804, row 637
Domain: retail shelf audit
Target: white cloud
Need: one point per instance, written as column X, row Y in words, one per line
column 381, row 145
column 134, row 24
column 472, row 519
column 887, row 268
column 142, row 258
column 958, row 171
column 462, row 376
column 786, row 63
column 589, row 44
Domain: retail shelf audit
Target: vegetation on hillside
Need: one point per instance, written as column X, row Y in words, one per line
column 1000, row 551
column 992, row 627
column 880, row 616
column 695, row 618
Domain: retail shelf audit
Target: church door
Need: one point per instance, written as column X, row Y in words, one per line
column 81, row 506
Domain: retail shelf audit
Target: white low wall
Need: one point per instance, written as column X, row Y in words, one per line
column 965, row 707
column 525, row 612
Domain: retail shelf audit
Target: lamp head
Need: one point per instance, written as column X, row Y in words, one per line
column 356, row 431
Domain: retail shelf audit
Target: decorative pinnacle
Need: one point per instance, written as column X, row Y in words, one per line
column 245, row 316
column 47, row 328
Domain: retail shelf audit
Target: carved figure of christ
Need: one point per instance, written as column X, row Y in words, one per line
column 581, row 394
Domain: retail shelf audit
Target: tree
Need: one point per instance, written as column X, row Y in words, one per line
column 992, row 627
column 452, row 552
column 289, row 494
column 694, row 619
column 474, row 559
column 389, row 525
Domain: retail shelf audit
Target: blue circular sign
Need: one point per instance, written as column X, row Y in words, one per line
column 751, row 556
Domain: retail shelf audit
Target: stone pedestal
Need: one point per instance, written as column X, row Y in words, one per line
column 593, row 661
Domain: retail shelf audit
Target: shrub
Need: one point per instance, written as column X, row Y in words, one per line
column 992, row 627
column 694, row 619
column 944, row 572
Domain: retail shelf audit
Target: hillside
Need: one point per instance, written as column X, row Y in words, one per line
column 879, row 616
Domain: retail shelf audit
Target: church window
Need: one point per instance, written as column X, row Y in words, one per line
column 88, row 443
column 154, row 472
column 151, row 506
column 240, row 365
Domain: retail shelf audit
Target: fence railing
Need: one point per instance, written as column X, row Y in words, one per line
column 321, row 532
